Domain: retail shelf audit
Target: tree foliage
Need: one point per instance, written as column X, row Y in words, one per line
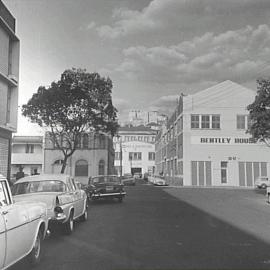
column 259, row 112
column 79, row 102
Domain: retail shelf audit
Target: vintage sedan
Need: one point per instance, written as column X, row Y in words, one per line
column 105, row 187
column 64, row 199
column 23, row 226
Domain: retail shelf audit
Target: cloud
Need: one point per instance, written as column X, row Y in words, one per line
column 183, row 15
column 165, row 104
column 237, row 55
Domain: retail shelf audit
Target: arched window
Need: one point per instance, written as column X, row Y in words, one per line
column 85, row 140
column 57, row 166
column 101, row 167
column 58, row 162
column 78, row 141
column 81, row 168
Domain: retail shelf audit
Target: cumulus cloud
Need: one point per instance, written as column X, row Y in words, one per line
column 237, row 55
column 165, row 104
column 181, row 15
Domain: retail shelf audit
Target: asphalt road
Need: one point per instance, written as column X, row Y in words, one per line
column 163, row 228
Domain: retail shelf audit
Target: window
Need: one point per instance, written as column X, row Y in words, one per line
column 243, row 122
column 8, row 105
column 59, row 162
column 117, row 156
column 151, row 156
column 29, row 148
column 102, row 141
column 85, row 141
column 135, row 156
column 216, row 121
column 78, row 141
column 205, row 121
column 195, row 121
column 101, row 167
column 81, row 168
column 4, row 194
column 223, row 165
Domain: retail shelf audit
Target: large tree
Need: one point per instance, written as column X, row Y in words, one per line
column 79, row 102
column 259, row 112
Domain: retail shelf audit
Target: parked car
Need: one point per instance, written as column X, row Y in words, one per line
column 23, row 226
column 137, row 175
column 104, row 187
column 128, row 180
column 262, row 182
column 64, row 199
column 158, row 180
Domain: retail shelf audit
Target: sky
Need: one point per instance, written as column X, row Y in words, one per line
column 153, row 50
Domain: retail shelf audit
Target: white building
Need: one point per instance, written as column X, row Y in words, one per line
column 137, row 145
column 205, row 142
column 27, row 152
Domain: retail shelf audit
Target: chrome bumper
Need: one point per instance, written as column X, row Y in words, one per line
column 98, row 195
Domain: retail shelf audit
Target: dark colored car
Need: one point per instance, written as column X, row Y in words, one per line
column 104, row 187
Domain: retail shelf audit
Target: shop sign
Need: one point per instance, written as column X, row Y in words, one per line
column 222, row 140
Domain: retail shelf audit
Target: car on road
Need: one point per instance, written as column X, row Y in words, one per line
column 64, row 199
column 137, row 175
column 158, row 180
column 105, row 187
column 23, row 227
column 262, row 182
column 128, row 180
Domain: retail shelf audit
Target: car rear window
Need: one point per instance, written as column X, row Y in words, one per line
column 38, row 186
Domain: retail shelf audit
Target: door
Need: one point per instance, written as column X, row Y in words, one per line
column 18, row 238
column 224, row 172
column 2, row 233
column 78, row 199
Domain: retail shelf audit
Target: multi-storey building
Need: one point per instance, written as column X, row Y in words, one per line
column 94, row 156
column 27, row 153
column 141, row 117
column 9, row 73
column 205, row 141
column 135, row 150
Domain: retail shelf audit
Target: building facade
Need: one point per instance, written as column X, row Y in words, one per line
column 143, row 118
column 94, row 156
column 135, row 150
column 9, row 74
column 205, row 142
column 27, row 152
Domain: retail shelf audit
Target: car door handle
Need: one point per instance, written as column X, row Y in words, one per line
column 4, row 212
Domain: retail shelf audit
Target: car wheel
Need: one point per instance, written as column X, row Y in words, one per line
column 69, row 225
column 263, row 186
column 84, row 216
column 120, row 199
column 35, row 254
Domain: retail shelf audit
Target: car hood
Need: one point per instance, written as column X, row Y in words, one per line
column 48, row 198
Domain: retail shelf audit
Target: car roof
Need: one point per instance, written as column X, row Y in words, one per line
column 44, row 177
column 109, row 175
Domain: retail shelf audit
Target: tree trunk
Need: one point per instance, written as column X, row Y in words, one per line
column 64, row 164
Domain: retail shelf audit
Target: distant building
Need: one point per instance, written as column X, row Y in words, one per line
column 9, row 74
column 205, row 142
column 141, row 117
column 135, row 150
column 94, row 156
column 27, row 153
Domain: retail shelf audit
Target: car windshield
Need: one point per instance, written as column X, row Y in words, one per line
column 38, row 186
column 105, row 179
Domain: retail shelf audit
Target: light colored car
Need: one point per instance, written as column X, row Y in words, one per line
column 158, row 180
column 262, row 182
column 23, row 226
column 64, row 199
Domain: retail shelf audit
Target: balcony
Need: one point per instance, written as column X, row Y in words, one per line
column 24, row 158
